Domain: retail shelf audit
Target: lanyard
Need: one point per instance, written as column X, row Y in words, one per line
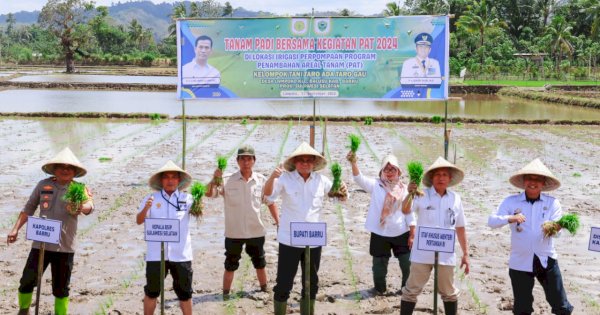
column 167, row 200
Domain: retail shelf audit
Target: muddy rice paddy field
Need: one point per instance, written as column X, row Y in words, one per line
column 108, row 276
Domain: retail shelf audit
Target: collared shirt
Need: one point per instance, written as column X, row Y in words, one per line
column 193, row 73
column 530, row 241
column 414, row 68
column 48, row 195
column 397, row 223
column 433, row 210
column 242, row 202
column 301, row 201
column 177, row 207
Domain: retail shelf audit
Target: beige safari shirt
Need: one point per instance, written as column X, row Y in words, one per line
column 242, row 203
column 48, row 196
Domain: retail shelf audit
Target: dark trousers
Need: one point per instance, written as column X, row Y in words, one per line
column 254, row 249
column 287, row 266
column 550, row 279
column 61, row 267
column 380, row 248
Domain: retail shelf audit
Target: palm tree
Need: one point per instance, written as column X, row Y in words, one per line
column 559, row 34
column 179, row 12
column 391, row 9
column 479, row 18
column 592, row 9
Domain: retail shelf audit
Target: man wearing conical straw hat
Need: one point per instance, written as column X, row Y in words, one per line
column 168, row 201
column 438, row 207
column 242, row 199
column 48, row 196
column 302, row 191
column 532, row 255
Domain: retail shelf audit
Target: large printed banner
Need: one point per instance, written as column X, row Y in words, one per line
column 395, row 58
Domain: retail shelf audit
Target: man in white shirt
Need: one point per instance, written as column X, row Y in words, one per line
column 532, row 255
column 169, row 202
column 420, row 66
column 302, row 191
column 442, row 208
column 198, row 71
column 243, row 197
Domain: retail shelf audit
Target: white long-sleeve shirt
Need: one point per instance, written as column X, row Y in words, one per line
column 530, row 241
column 397, row 223
column 163, row 208
column 301, row 201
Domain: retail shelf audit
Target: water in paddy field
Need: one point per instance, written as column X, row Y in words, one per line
column 471, row 106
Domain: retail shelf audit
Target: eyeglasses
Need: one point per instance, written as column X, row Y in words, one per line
column 389, row 170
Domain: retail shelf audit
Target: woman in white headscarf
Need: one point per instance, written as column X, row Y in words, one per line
column 391, row 230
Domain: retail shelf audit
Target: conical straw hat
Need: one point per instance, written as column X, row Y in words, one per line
column 305, row 149
column 456, row 173
column 535, row 167
column 393, row 161
column 185, row 179
column 65, row 156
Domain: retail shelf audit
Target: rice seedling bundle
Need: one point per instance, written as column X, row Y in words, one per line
column 198, row 190
column 354, row 145
column 415, row 174
column 75, row 196
column 569, row 221
column 336, row 171
column 221, row 165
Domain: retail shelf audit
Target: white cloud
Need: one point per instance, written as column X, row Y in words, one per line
column 363, row 7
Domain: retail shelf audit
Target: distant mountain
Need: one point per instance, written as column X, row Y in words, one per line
column 148, row 14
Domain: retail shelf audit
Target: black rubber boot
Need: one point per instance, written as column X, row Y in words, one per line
column 380, row 266
column 404, row 261
column 451, row 308
column 407, row 308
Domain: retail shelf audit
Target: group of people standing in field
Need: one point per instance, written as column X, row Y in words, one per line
column 392, row 219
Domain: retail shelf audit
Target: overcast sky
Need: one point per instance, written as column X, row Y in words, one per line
column 363, row 7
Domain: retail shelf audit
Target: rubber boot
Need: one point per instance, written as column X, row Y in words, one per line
column 24, row 302
column 407, row 308
column 280, row 307
column 380, row 265
column 61, row 305
column 450, row 308
column 306, row 307
column 404, row 261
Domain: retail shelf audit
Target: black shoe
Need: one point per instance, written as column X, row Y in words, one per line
column 450, row 308
column 407, row 308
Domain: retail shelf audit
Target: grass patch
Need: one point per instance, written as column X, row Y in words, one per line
column 368, row 121
column 155, row 116
column 528, row 83
column 104, row 159
column 547, row 96
column 576, row 174
column 436, row 119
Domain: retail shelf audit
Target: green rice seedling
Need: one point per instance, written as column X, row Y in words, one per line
column 436, row 119
column 75, row 196
column 198, row 190
column 570, row 222
column 576, row 174
column 369, row 121
column 154, row 116
column 244, row 122
column 354, row 145
column 336, row 171
column 104, row 159
column 221, row 165
column 415, row 173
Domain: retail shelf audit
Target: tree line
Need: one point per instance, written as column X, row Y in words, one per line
column 524, row 38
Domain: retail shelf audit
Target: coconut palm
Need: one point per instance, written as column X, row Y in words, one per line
column 479, row 18
column 391, row 9
column 560, row 37
column 592, row 10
